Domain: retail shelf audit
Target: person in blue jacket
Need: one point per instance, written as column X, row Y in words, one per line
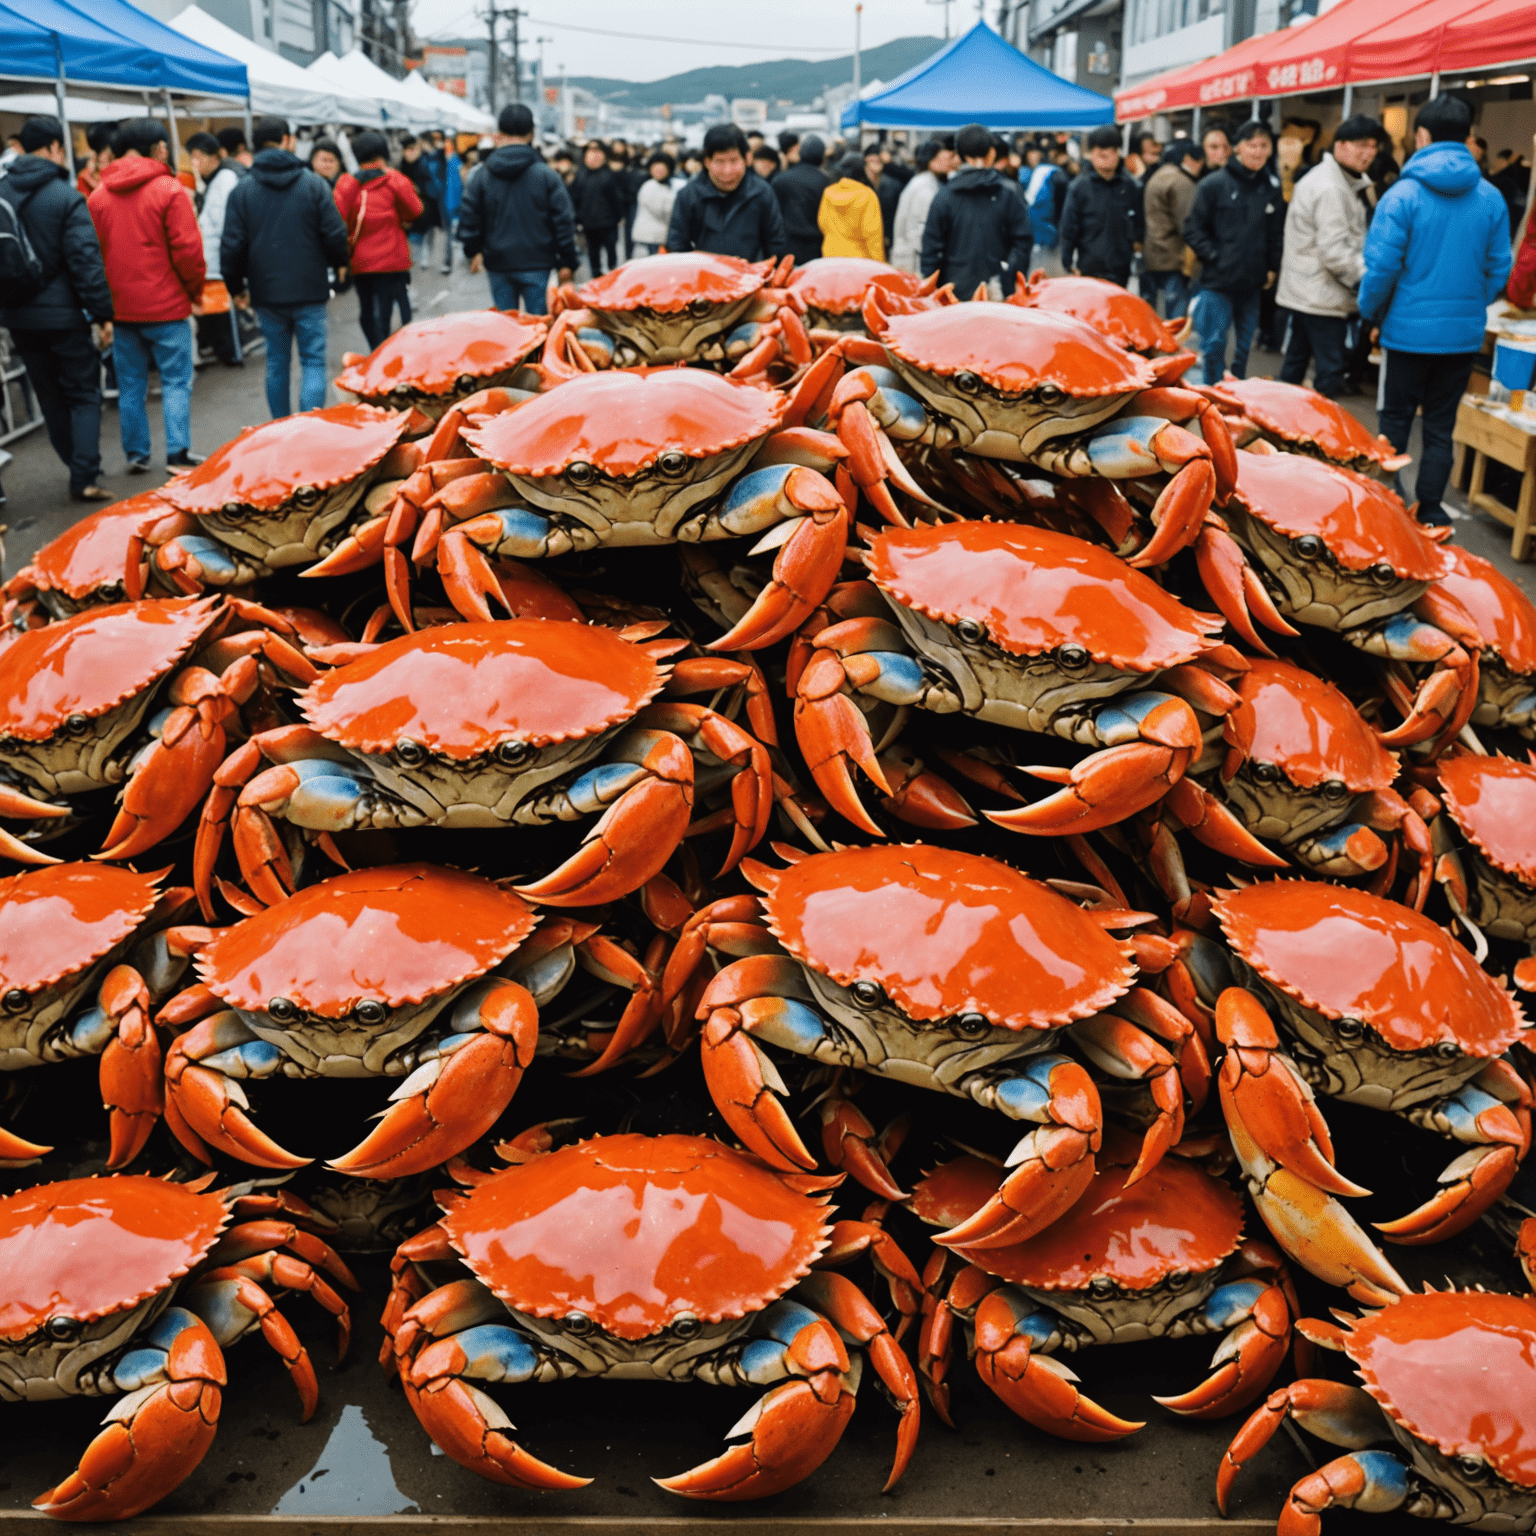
column 1436, row 256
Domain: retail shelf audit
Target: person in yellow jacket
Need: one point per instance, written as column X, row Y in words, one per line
column 849, row 216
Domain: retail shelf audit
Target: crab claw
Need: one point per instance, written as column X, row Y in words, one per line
column 155, row 1436
column 1214, row 825
column 1036, row 1387
column 794, row 1428
column 1235, row 588
column 1446, row 698
column 1473, row 1182
column 131, row 1083
column 1249, row 1356
column 1105, row 787
column 469, row 1426
column 850, row 1142
column 16, row 1151
column 453, row 1100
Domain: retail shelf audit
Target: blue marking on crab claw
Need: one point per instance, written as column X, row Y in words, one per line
column 1122, row 721
column 493, row 1352
column 784, row 1320
column 326, row 798
column 593, row 340
column 169, row 1327
column 762, row 1361
column 742, row 338
column 524, row 534
column 139, row 1368
column 1028, row 1319
column 255, row 1058
column 755, row 502
column 1386, row 1481
column 1122, row 449
column 1228, row 1305
column 599, row 787
column 1028, row 1095
column 90, row 1033
column 893, row 406
column 1519, row 713
column 216, row 563
column 790, row 1025
column 1462, row 1109
column 899, row 681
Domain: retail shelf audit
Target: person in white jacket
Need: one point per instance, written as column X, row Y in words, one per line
column 934, row 162
column 653, row 205
column 1324, row 258
column 220, row 177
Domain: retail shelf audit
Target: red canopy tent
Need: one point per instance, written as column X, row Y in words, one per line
column 1227, row 77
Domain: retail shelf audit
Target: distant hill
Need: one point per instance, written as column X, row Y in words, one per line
column 796, row 80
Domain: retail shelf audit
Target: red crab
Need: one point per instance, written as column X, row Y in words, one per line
column 412, row 972
column 1128, row 321
column 1450, row 1377
column 832, row 288
column 432, row 364
column 951, row 972
column 666, row 1258
column 1161, row 1258
column 1387, row 1011
column 134, row 1286
column 84, row 954
column 689, row 307
column 523, row 722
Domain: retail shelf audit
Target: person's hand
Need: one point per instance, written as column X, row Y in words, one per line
column 242, row 301
column 197, row 307
column 565, row 274
column 1269, row 280
column 341, row 274
column 1375, row 334
column 104, row 334
column 476, row 263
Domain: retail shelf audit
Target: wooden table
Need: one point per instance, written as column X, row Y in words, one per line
column 1490, row 437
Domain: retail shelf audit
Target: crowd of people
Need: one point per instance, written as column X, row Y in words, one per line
column 1242, row 233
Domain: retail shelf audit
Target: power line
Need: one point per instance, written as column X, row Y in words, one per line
column 648, row 37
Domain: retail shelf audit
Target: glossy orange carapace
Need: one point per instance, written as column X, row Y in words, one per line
column 395, row 935
column 434, row 356
column 1303, row 416
column 87, row 1247
column 1505, row 616
column 1493, row 800
column 1106, row 306
column 634, row 1230
column 1349, row 954
column 837, row 284
column 669, row 283
column 92, row 552
column 462, row 689
column 943, row 932
column 1036, row 590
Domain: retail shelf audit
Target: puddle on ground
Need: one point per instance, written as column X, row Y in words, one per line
column 351, row 1477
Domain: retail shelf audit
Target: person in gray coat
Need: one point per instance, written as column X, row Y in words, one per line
column 1324, row 260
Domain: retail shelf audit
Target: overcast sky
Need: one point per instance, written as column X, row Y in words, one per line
column 716, row 32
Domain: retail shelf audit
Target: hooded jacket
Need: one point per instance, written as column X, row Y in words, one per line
column 59, row 226
column 1324, row 241
column 798, row 188
column 1437, row 254
column 911, row 218
column 517, row 213
column 377, row 206
column 281, row 234
column 601, row 198
column 1237, row 228
column 745, row 222
column 1102, row 223
column 977, row 230
column 850, row 221
column 150, row 242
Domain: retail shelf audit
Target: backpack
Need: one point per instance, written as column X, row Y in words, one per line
column 22, row 275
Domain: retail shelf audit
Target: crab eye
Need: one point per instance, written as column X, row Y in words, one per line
column 1447, row 1050
column 1383, row 574
column 62, row 1329
column 1178, row 1279
column 867, row 994
column 283, row 1010
column 510, row 753
column 580, row 473
column 370, row 1012
column 698, row 308
column 1473, row 1468
column 686, row 1326
column 972, row 631
column 77, row 725
column 673, row 462
column 1266, row 773
column 1335, row 789
column 1101, row 1286
column 1074, row 657
column 233, row 509
column 15, row 1001
column 1350, row 1029
column 1050, row 394
column 306, row 495
column 972, row 1024
column 577, row 1323
column 1308, row 546
column 967, row 382
column 410, row 752
column 467, row 381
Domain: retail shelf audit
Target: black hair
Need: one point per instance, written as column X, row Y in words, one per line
column 1354, row 129
column 407, row 140
column 765, row 152
column 1251, row 130
column 661, row 157
column 596, row 144
column 787, row 141
column 923, row 157
column 99, row 136
column 1176, row 151
column 516, row 121
column 140, row 134
column 267, row 131
column 563, row 153
column 231, row 140
column 1105, row 136
column 1448, row 119
column 370, row 146
column 813, row 149
column 851, row 168
column 722, row 138
column 202, row 144
column 39, row 132
column 972, row 142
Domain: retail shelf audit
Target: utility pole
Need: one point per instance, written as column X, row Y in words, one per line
column 517, row 58
column 490, row 22
column 538, row 110
column 858, row 25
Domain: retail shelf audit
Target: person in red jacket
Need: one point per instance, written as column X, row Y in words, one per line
column 378, row 205
column 1522, row 280
column 154, row 257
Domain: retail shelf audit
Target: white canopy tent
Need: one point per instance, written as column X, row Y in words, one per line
column 459, row 114
column 357, row 75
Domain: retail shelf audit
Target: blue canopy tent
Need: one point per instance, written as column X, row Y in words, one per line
column 27, row 51
column 979, row 78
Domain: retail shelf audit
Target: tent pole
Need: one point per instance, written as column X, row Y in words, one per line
column 58, row 96
column 170, row 112
column 249, row 129
column 1349, row 99
column 1434, row 85
column 1194, row 131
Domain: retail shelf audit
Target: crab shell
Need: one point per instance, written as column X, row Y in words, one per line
column 1036, row 590
column 833, row 287
column 396, row 935
column 1361, row 522
column 1456, row 1369
column 461, row 690
column 1303, row 724
column 669, row 284
column 1309, row 420
column 58, row 920
column 635, row 1231
column 1014, row 350
column 1505, row 616
column 90, row 663
column 431, row 363
column 1493, row 801
column 265, row 465
column 1347, row 954
column 624, row 423
column 85, row 1248
column 1176, row 1218
column 1128, row 321
column 944, row 933
column 85, row 563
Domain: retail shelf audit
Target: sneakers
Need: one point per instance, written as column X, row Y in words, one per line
column 138, row 466
column 90, row 493
column 186, row 459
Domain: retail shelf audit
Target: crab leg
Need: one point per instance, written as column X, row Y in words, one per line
column 157, row 1434
column 1118, row 1047
column 1234, row 586
column 1447, row 697
column 1257, row 1320
column 456, row 1096
column 850, row 1143
column 132, row 1086
column 848, row 1239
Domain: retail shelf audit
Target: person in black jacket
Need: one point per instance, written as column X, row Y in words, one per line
column 281, row 234
column 1237, row 229
column 53, row 332
column 887, row 188
column 1103, row 220
column 602, row 202
column 798, row 188
column 727, row 208
column 978, row 227
column 516, row 220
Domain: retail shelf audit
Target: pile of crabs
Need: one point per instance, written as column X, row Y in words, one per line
column 831, row 826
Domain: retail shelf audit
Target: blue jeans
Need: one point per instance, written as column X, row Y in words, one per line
column 1216, row 314
column 531, row 285
column 1174, row 284
column 282, row 325
column 169, row 343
